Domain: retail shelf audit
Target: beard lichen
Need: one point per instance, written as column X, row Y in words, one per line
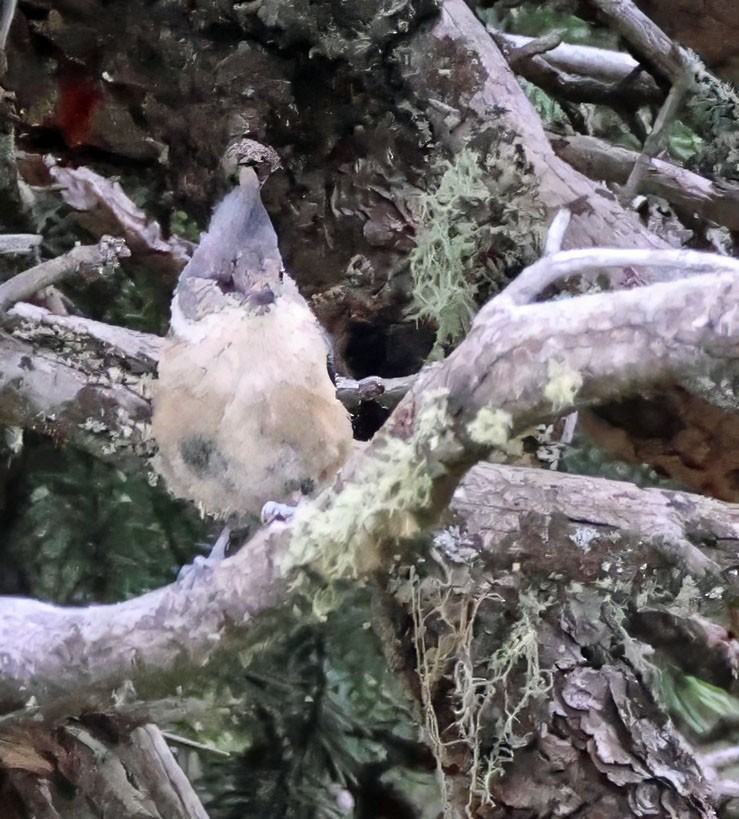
column 479, row 225
column 486, row 697
column 347, row 532
column 444, row 287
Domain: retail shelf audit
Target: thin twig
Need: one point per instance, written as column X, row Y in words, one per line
column 535, row 47
column 534, row 279
column 13, row 244
column 556, row 232
column 387, row 392
column 176, row 739
column 658, row 135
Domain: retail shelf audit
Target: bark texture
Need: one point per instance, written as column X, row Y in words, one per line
column 520, row 644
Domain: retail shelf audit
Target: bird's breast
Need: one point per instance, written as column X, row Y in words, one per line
column 245, row 411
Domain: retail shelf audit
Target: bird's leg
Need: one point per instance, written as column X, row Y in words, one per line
column 192, row 571
column 218, row 552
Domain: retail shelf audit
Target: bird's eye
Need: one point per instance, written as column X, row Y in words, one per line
column 227, row 285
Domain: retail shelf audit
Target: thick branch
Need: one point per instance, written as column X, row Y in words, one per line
column 516, row 367
column 583, row 74
column 477, row 84
column 140, row 349
column 658, row 517
column 84, row 259
column 155, row 641
column 614, row 341
column 646, row 37
column 718, row 201
column 152, row 640
column 550, row 269
column 97, row 412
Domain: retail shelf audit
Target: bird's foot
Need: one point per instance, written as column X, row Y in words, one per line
column 272, row 511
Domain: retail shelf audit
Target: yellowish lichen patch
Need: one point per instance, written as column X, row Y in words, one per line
column 563, row 384
column 490, row 427
column 343, row 533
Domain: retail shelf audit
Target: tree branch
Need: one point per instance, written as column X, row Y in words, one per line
column 550, row 269
column 96, row 260
column 717, row 201
column 517, row 366
column 93, row 409
column 186, row 624
column 646, row 37
column 175, row 629
column 477, row 83
column 141, row 350
column 581, row 74
column 611, row 67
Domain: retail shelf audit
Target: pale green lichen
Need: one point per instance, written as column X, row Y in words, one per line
column 338, row 535
column 433, row 429
column 444, row 287
column 486, row 697
column 478, row 226
column 491, row 427
column 563, row 384
column 518, row 653
column 548, row 109
column 333, row 540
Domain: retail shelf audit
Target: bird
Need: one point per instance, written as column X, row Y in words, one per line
column 244, row 407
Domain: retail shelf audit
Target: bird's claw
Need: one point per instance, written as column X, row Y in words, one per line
column 272, row 511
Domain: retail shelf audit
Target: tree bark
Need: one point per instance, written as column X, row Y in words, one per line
column 544, row 673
